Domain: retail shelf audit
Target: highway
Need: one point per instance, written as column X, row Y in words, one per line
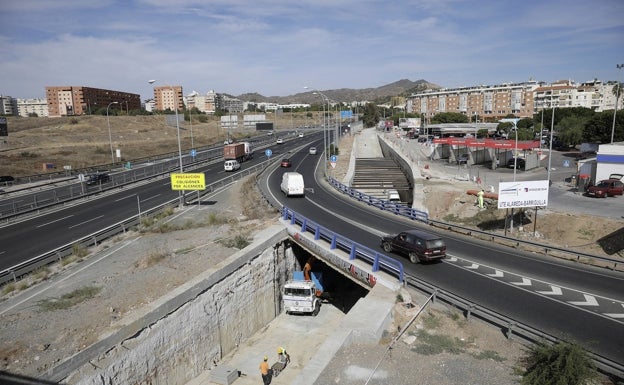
column 22, row 240
column 561, row 298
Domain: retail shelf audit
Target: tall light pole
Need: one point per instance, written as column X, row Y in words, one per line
column 552, row 128
column 617, row 96
column 325, row 147
column 175, row 100
column 110, row 136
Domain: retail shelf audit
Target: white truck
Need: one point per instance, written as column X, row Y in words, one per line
column 303, row 296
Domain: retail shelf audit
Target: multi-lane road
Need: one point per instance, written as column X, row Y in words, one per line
column 561, row 298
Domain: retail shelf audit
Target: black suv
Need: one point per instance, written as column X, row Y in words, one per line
column 417, row 245
column 98, row 179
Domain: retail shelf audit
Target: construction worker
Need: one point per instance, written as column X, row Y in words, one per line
column 282, row 356
column 265, row 371
column 480, row 198
column 307, row 268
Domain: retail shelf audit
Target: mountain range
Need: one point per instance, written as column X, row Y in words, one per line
column 403, row 87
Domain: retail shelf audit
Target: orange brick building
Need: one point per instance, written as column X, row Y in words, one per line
column 78, row 100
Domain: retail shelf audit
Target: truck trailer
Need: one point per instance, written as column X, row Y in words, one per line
column 237, row 151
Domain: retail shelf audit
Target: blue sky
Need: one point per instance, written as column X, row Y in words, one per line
column 276, row 47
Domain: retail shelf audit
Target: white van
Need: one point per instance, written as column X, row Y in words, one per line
column 393, row 196
column 231, row 165
column 292, row 184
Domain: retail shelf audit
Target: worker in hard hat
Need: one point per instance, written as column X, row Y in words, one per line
column 265, row 371
column 307, row 268
column 282, row 356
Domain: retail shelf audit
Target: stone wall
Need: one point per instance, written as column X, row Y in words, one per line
column 194, row 327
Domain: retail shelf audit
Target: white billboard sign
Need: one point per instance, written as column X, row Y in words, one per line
column 527, row 193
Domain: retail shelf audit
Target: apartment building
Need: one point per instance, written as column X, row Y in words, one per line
column 564, row 93
column 168, row 98
column 79, row 100
column 207, row 104
column 26, row 107
column 490, row 103
column 523, row 100
column 6, row 105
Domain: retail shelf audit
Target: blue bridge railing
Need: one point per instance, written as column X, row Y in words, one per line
column 379, row 262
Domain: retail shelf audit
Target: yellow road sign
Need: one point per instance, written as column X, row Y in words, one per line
column 188, row 182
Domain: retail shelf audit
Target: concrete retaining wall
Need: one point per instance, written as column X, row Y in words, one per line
column 190, row 329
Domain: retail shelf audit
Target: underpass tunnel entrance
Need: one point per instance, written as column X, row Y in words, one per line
column 338, row 290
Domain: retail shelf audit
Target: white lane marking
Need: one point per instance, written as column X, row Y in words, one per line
column 554, row 290
column 152, row 197
column 525, row 282
column 615, row 315
column 496, row 274
column 474, row 266
column 589, row 301
column 60, row 219
column 82, row 223
column 126, row 197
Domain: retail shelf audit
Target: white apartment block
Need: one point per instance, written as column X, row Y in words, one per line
column 25, row 107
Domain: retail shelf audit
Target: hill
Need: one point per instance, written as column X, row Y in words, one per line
column 402, row 87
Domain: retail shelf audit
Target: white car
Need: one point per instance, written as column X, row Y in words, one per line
column 231, row 165
column 280, row 141
column 301, row 134
column 312, row 150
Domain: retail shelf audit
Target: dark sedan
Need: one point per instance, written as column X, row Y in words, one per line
column 519, row 163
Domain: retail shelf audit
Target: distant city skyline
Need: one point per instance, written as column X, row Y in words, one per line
column 276, row 47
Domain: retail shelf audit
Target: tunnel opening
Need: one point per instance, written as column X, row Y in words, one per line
column 339, row 290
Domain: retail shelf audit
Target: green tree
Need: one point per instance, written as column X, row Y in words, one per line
column 559, row 364
column 371, row 115
column 598, row 128
column 570, row 129
column 449, row 117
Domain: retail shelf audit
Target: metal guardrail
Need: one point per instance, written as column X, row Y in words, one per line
column 14, row 273
column 510, row 326
column 336, row 241
column 382, row 204
column 379, row 261
column 423, row 217
column 139, row 172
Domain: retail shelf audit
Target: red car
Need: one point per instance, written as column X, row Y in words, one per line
column 286, row 162
column 605, row 188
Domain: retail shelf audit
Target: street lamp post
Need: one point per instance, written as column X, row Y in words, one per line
column 552, row 128
column 617, row 96
column 179, row 143
column 110, row 136
column 325, row 146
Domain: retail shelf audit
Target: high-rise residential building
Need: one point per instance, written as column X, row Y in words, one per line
column 6, row 105
column 79, row 100
column 26, row 107
column 168, row 98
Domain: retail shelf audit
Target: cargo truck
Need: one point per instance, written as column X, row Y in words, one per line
column 237, row 151
column 301, row 295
